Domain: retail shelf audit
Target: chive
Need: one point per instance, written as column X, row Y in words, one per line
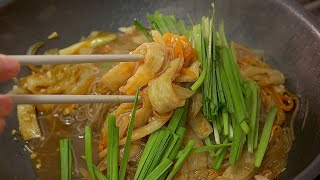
column 265, row 135
column 88, row 150
column 220, row 89
column 180, row 161
column 183, row 120
column 158, row 18
column 199, row 46
column 151, row 156
column 253, row 115
column 171, row 145
column 180, row 132
column 219, row 151
column 236, row 93
column 160, row 169
column 209, row 148
column 96, row 170
column 98, row 173
column 174, row 122
column 225, row 118
column 216, row 131
column 125, row 157
column 230, row 132
column 226, row 90
column 218, row 161
column 141, row 28
column 208, row 142
column 115, row 155
column 153, row 137
column 170, row 22
column 236, row 143
column 161, row 149
column 111, row 144
column 65, row 159
column 258, row 116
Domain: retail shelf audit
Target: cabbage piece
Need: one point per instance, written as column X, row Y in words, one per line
column 164, row 95
column 142, row 114
column 200, row 125
column 118, row 75
column 155, row 122
column 189, row 74
column 28, row 124
column 155, row 55
column 265, row 75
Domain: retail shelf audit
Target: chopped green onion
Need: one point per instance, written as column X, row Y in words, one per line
column 160, row 169
column 125, row 157
column 99, row 41
column 32, row 50
column 88, row 150
column 141, row 28
column 180, row 161
column 65, row 159
column 265, row 135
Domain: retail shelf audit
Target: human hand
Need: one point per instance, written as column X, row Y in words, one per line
column 9, row 68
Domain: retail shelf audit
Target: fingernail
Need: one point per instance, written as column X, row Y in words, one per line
column 10, row 65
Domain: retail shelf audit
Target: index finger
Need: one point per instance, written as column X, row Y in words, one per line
column 9, row 67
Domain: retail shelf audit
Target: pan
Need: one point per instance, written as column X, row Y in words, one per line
column 289, row 37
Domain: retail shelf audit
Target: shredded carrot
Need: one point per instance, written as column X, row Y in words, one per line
column 181, row 47
column 266, row 94
column 188, row 51
column 174, row 42
column 188, row 72
column 244, row 49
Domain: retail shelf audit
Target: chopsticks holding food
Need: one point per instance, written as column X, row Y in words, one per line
column 72, row 59
column 75, row 59
column 70, row 99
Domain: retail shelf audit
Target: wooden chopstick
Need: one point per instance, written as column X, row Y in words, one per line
column 75, row 59
column 69, row 99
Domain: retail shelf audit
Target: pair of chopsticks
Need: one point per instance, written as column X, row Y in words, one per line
column 72, row 59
